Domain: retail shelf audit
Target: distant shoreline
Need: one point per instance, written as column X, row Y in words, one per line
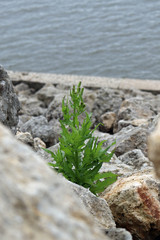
column 87, row 81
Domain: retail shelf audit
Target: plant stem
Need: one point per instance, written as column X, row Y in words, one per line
column 74, row 116
column 77, row 166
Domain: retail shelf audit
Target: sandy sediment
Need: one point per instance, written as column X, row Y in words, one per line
column 88, row 81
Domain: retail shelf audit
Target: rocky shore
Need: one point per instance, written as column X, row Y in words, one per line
column 36, row 203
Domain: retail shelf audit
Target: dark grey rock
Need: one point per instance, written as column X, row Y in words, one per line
column 31, row 106
column 39, row 127
column 47, row 93
column 107, row 100
column 9, row 103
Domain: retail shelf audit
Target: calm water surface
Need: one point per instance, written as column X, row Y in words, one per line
column 114, row 38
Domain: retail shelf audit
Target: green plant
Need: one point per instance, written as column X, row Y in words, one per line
column 80, row 155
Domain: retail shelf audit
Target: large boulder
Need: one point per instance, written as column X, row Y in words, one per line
column 9, row 103
column 135, row 205
column 36, row 203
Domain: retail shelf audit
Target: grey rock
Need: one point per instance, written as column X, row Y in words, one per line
column 47, row 93
column 22, row 120
column 119, row 234
column 22, row 88
column 9, row 103
column 36, row 203
column 135, row 108
column 134, row 111
column 119, row 168
column 39, row 127
column 107, row 100
column 127, row 164
column 31, row 106
column 46, row 156
column 136, row 123
column 136, row 159
column 96, row 206
column 89, row 99
column 54, row 110
column 129, row 138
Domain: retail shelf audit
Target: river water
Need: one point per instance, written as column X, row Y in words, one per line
column 113, row 38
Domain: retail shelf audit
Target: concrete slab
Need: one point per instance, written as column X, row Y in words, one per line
column 87, row 81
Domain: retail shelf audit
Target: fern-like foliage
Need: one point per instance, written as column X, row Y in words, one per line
column 80, row 155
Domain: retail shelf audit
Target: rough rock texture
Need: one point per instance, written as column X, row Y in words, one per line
column 54, row 110
column 39, row 127
column 44, row 155
column 108, row 119
column 127, row 164
column 129, row 138
column 134, row 202
column 31, row 106
column 107, row 100
column 154, row 149
column 38, row 144
column 118, row 234
column 35, row 203
column 25, row 137
column 101, row 213
column 135, row 108
column 98, row 207
column 9, row 104
column 48, row 93
column 136, row 159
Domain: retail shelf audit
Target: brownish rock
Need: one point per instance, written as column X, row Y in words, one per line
column 134, row 202
column 107, row 120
